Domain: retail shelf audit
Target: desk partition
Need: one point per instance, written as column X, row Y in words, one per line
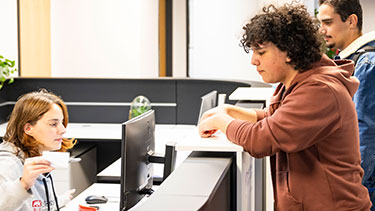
column 176, row 101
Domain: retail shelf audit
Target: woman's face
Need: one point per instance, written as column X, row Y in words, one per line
column 49, row 129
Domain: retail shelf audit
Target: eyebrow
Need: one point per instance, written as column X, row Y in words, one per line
column 257, row 48
column 326, row 20
column 53, row 120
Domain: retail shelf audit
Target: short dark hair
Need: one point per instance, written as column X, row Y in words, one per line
column 345, row 8
column 291, row 29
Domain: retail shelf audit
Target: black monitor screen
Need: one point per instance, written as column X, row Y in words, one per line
column 138, row 141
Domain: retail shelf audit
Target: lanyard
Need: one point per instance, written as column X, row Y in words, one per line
column 53, row 190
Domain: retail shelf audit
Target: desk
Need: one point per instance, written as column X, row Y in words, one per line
column 187, row 139
column 190, row 141
column 248, row 97
column 111, row 191
column 192, row 186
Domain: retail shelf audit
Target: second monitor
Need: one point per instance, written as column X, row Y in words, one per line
column 208, row 101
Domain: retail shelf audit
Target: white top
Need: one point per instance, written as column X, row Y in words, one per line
column 218, row 143
column 253, row 93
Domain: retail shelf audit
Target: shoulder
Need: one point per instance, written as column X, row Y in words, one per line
column 10, row 165
column 365, row 65
column 365, row 54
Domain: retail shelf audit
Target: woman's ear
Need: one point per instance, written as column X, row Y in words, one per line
column 28, row 129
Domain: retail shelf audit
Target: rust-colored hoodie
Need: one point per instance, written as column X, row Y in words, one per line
column 310, row 131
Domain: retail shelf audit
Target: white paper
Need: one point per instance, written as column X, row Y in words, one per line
column 57, row 159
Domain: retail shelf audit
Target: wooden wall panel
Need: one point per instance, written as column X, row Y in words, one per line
column 35, row 38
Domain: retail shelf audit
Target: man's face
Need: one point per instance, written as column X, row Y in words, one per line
column 272, row 63
column 334, row 30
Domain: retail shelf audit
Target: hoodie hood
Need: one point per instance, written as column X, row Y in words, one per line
column 9, row 149
column 327, row 70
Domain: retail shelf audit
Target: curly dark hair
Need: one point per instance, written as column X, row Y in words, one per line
column 291, row 29
column 345, row 8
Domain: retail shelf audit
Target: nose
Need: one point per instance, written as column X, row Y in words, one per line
column 254, row 60
column 322, row 30
column 62, row 129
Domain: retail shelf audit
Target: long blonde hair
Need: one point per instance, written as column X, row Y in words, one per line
column 30, row 108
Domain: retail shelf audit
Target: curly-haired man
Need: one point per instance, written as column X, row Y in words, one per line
column 310, row 129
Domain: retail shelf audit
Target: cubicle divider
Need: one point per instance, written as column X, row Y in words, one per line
column 98, row 100
column 176, row 101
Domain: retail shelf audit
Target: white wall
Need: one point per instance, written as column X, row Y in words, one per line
column 104, row 38
column 8, row 34
column 215, row 33
column 368, row 7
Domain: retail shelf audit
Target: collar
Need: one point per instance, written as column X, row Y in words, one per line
column 357, row 44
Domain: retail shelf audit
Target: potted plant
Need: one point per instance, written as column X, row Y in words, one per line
column 7, row 70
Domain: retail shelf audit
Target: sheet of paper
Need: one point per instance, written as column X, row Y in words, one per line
column 57, row 159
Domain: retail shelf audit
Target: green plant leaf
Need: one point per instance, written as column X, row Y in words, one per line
column 6, row 70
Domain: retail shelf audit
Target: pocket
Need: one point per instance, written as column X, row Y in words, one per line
column 285, row 200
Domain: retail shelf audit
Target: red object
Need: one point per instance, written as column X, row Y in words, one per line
column 36, row 203
column 85, row 208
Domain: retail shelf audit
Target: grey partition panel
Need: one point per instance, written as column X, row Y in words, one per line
column 5, row 112
column 189, row 93
column 116, row 114
column 176, row 101
column 89, row 100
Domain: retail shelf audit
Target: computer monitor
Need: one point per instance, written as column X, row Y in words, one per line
column 208, row 101
column 138, row 142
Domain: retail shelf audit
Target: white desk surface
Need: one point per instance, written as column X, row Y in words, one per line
column 186, row 136
column 217, row 143
column 252, row 93
column 190, row 193
column 111, row 191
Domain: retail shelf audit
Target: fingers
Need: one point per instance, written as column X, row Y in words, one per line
column 37, row 160
column 38, row 165
column 33, row 167
column 69, row 193
column 208, row 133
column 206, row 129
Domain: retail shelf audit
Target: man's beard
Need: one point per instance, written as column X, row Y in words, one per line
column 332, row 45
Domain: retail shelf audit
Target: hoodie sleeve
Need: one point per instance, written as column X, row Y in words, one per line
column 14, row 194
column 307, row 115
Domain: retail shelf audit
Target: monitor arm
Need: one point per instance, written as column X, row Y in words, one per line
column 168, row 159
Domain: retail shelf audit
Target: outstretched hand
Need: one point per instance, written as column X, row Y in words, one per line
column 213, row 111
column 32, row 168
column 212, row 121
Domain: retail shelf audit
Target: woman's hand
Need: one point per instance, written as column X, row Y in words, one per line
column 32, row 168
column 69, row 193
